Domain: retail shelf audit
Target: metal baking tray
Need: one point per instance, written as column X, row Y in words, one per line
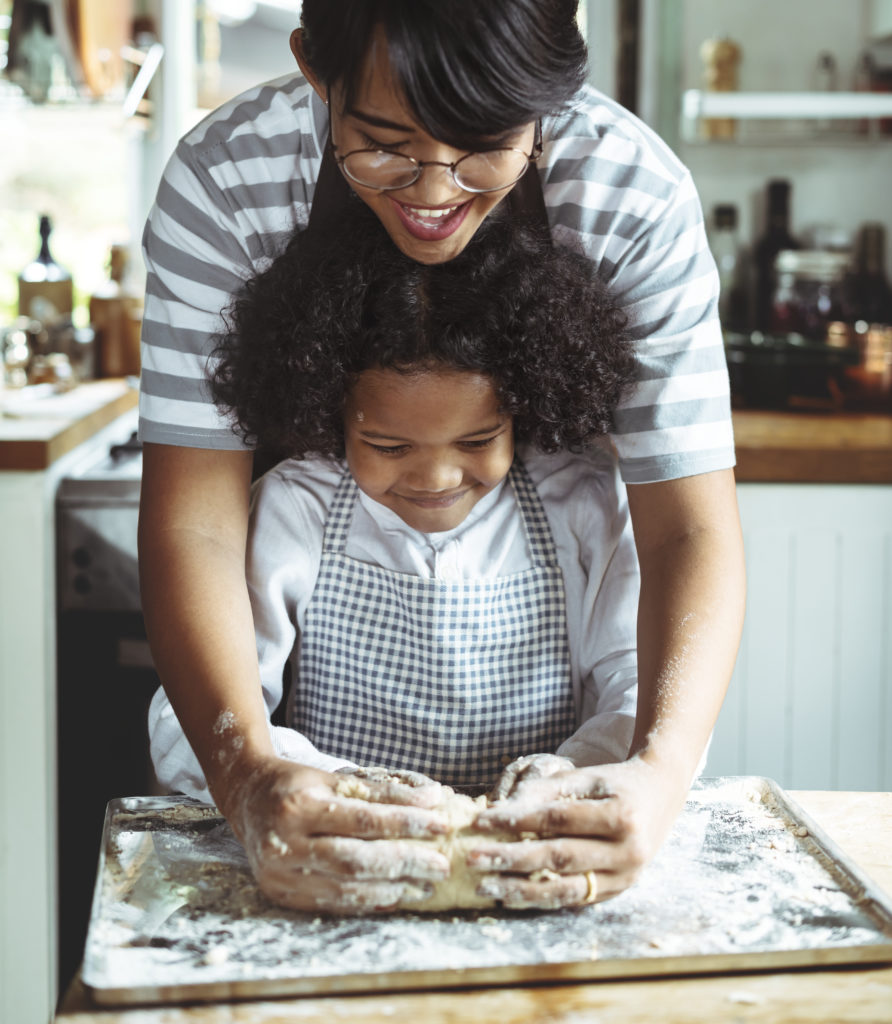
column 746, row 881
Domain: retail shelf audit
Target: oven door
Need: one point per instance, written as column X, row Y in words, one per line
column 105, row 678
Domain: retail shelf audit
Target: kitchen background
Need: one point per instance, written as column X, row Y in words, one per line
column 811, row 701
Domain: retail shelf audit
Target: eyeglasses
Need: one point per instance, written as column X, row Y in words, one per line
column 487, row 171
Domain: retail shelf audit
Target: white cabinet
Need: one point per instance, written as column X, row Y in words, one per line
column 28, row 725
column 810, row 703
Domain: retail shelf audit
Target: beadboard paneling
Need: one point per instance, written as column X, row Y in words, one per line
column 810, row 703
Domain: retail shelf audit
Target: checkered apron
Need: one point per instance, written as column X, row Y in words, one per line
column 451, row 679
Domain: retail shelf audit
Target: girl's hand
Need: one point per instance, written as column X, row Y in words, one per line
column 600, row 827
column 312, row 849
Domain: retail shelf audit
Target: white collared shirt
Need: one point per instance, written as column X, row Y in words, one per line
column 585, row 502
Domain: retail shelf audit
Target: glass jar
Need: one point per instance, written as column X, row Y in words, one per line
column 809, row 291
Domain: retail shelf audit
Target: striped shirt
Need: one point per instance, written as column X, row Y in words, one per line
column 242, row 181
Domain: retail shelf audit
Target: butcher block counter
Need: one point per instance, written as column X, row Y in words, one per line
column 823, row 448
column 38, row 426
column 859, row 823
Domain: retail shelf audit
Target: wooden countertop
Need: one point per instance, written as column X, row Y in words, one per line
column 804, row 447
column 36, row 431
column 860, row 823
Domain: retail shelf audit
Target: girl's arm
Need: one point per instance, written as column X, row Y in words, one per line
column 690, row 617
column 192, row 540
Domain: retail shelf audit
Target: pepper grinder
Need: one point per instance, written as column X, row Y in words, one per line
column 721, row 59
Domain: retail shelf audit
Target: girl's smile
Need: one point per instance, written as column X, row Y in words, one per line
column 427, row 444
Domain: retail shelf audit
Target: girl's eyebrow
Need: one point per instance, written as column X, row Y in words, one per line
column 376, row 436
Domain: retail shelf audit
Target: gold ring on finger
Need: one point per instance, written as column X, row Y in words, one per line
column 591, row 887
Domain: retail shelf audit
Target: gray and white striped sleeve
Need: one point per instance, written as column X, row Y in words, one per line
column 617, row 190
column 230, row 197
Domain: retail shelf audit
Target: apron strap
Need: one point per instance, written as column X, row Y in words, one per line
column 532, row 514
column 331, row 195
column 526, row 199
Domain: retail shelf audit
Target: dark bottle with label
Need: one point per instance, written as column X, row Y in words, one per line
column 45, row 287
column 869, row 291
column 775, row 239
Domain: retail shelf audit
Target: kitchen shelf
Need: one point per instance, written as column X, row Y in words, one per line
column 829, row 109
column 696, row 103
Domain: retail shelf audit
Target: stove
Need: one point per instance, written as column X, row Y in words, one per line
column 97, row 508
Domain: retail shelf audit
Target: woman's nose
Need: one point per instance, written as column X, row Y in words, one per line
column 436, row 186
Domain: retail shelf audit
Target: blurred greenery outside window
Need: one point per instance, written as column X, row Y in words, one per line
column 67, row 158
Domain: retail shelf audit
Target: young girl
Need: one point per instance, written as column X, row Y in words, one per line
column 444, row 567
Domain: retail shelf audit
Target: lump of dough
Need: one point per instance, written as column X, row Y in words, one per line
column 459, row 890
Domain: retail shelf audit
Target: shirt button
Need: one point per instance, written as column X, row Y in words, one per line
column 448, row 564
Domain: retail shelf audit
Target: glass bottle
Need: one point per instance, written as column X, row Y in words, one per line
column 775, row 238
column 725, row 245
column 869, row 291
column 45, row 287
column 114, row 319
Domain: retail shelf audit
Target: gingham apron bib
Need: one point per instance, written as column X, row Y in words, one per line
column 453, row 679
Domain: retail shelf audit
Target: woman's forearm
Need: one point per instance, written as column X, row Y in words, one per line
column 690, row 613
column 193, row 524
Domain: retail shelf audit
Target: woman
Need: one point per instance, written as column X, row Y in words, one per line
column 431, row 112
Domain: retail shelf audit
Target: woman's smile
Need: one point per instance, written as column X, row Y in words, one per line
column 431, row 224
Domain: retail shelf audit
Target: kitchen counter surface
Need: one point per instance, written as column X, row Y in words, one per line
column 37, row 427
column 860, row 823
column 801, row 447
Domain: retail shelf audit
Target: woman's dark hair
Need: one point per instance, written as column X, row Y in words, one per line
column 468, row 68
column 534, row 318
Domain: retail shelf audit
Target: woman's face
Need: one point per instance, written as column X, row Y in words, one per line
column 427, row 445
column 432, row 220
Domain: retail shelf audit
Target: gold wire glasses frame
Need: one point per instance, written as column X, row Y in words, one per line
column 388, row 171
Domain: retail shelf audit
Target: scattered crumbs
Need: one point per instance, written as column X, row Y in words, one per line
column 498, row 931
column 800, row 831
column 216, row 956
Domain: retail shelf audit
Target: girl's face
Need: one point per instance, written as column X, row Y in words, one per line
column 427, row 445
column 432, row 220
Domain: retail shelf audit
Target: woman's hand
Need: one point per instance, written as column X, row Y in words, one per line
column 600, row 826
column 312, row 848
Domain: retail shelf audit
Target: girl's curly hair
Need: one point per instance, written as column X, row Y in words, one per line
column 533, row 317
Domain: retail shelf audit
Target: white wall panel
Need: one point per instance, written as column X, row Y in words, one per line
column 810, row 704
